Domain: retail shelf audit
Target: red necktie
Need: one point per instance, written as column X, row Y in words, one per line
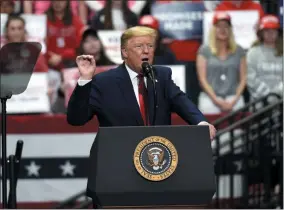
column 142, row 98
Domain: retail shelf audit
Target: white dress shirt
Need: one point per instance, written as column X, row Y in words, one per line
column 134, row 79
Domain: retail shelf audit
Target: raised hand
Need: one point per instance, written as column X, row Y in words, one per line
column 87, row 66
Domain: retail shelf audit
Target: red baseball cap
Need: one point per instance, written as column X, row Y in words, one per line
column 149, row 21
column 221, row 16
column 269, row 22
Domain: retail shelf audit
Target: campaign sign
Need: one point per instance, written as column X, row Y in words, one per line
column 180, row 20
column 111, row 43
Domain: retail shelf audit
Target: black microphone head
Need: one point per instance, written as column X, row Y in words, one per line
column 145, row 64
column 146, row 68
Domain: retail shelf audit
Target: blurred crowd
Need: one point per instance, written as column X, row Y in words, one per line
column 229, row 76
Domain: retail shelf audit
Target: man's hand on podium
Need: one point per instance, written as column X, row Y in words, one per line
column 212, row 129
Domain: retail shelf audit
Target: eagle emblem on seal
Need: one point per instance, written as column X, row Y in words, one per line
column 156, row 158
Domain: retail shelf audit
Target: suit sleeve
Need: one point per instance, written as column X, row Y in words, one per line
column 79, row 110
column 181, row 104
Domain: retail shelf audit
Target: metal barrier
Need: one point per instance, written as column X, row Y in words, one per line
column 245, row 111
column 248, row 156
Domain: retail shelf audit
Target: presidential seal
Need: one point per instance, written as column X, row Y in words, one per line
column 155, row 158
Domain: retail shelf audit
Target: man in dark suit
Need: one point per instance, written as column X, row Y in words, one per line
column 123, row 96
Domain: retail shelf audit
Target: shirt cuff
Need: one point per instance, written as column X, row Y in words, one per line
column 203, row 123
column 82, row 82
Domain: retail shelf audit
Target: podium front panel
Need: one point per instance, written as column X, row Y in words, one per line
column 115, row 180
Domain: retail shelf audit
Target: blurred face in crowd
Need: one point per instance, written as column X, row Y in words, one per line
column 269, row 36
column 237, row 2
column 59, row 6
column 117, row 3
column 15, row 31
column 137, row 50
column 7, row 7
column 92, row 45
column 222, row 30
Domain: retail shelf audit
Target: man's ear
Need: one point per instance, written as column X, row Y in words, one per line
column 124, row 53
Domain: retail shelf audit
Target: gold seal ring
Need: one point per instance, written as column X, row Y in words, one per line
column 155, row 158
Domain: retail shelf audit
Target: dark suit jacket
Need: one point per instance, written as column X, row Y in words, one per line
column 110, row 96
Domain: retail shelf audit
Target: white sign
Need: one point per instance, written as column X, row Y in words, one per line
column 243, row 23
column 35, row 27
column 111, row 44
column 178, row 76
column 34, row 99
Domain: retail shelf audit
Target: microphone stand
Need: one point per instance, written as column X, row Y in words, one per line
column 155, row 97
column 149, row 73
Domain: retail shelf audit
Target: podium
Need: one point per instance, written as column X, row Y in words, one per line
column 151, row 167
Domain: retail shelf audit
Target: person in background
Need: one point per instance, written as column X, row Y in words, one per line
column 78, row 8
column 114, row 16
column 241, row 5
column 233, row 5
column 15, row 32
column 265, row 59
column 7, row 7
column 163, row 55
column 221, row 69
column 64, row 30
column 91, row 45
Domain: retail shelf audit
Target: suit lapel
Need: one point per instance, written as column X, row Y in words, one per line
column 126, row 88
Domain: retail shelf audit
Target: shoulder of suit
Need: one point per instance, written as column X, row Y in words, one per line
column 107, row 74
column 162, row 69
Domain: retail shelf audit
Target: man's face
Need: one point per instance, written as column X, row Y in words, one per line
column 270, row 35
column 137, row 50
column 222, row 30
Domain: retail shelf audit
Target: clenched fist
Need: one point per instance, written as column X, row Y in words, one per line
column 87, row 66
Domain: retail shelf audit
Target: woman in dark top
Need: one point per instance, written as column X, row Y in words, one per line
column 91, row 45
column 114, row 16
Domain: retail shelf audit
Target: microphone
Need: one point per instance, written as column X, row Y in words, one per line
column 148, row 70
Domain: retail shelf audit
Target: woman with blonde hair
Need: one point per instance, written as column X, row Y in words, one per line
column 265, row 59
column 221, row 69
